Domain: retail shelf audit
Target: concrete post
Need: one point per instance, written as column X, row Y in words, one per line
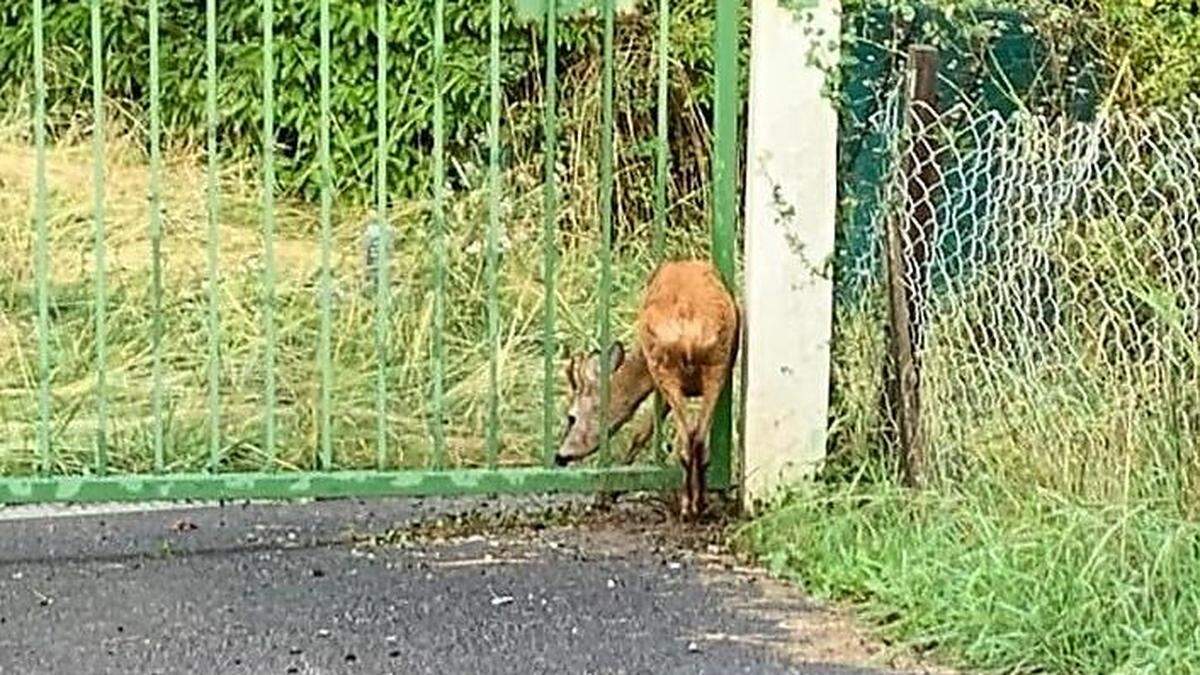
column 791, row 200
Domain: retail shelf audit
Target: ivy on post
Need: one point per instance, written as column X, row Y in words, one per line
column 908, row 234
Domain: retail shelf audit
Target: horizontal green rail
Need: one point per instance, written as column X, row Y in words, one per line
column 200, row 486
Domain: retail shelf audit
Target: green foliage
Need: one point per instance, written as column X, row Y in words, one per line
column 1141, row 50
column 353, row 59
column 1153, row 44
column 1003, row 582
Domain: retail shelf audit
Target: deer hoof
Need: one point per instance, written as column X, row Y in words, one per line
column 698, row 505
column 685, row 506
column 690, row 507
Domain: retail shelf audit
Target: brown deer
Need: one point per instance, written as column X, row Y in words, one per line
column 687, row 331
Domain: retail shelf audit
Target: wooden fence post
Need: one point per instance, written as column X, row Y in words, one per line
column 909, row 233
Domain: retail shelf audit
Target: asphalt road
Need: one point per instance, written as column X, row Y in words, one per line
column 288, row 589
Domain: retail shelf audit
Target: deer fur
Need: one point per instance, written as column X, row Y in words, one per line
column 687, row 333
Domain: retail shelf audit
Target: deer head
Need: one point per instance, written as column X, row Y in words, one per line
column 629, row 386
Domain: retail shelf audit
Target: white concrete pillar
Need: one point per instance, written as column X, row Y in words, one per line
column 791, row 200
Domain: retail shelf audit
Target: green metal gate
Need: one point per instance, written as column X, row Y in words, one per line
column 49, row 480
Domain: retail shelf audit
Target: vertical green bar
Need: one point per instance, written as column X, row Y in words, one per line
column 42, row 245
column 325, row 345
column 661, row 167
column 606, row 224
column 214, row 283
column 268, row 224
column 549, row 232
column 383, row 231
column 662, row 155
column 724, row 224
column 156, row 290
column 101, row 272
column 439, row 237
column 493, row 234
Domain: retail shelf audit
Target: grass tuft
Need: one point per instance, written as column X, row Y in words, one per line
column 996, row 580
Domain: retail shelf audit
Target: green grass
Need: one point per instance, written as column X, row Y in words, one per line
column 996, row 580
column 241, row 341
column 1059, row 532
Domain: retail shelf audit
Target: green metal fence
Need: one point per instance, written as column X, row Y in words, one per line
column 98, row 482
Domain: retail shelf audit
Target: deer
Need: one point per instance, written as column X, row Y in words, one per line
column 687, row 331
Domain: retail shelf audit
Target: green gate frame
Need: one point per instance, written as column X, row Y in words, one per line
column 435, row 480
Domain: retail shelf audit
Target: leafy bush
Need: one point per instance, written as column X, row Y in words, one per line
column 1141, row 50
column 353, row 87
column 1153, row 44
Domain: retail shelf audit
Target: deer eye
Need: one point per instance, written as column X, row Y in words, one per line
column 570, row 420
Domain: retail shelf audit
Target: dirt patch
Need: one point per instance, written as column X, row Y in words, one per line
column 635, row 527
column 810, row 631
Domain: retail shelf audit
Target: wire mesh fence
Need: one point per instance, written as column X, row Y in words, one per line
column 1053, row 274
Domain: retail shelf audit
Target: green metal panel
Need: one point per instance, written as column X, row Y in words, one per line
column 213, row 239
column 100, row 247
column 606, row 225
column 49, row 484
column 725, row 205
column 325, row 346
column 549, row 232
column 41, row 252
column 662, row 163
column 1006, row 74
column 493, row 235
column 439, row 237
column 156, row 235
column 383, row 233
column 268, row 223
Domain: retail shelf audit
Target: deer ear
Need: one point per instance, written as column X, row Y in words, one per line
column 571, row 366
column 616, row 356
column 589, row 368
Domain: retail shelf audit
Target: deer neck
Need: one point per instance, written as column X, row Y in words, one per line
column 631, row 384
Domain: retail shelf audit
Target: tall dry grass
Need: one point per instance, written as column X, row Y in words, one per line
column 241, row 337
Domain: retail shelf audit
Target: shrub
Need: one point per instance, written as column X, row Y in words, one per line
column 353, row 88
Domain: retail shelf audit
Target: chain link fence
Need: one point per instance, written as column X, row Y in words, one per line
column 1053, row 278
